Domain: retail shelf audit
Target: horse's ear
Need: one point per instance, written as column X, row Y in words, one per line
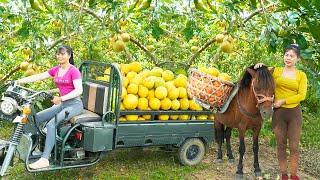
column 251, row 72
column 271, row 70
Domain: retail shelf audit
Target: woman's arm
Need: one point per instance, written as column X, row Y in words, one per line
column 33, row 78
column 76, row 92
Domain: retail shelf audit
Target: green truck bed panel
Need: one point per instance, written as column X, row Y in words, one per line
column 162, row 133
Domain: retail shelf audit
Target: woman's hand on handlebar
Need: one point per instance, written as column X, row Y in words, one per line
column 56, row 100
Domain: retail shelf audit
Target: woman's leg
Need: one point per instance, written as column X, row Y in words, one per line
column 280, row 129
column 73, row 110
column 294, row 132
column 43, row 116
column 48, row 114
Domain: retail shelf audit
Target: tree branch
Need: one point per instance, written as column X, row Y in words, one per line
column 60, row 40
column 128, row 54
column 17, row 68
column 256, row 12
column 152, row 57
column 46, row 6
column 209, row 4
column 81, row 9
column 207, row 44
column 89, row 11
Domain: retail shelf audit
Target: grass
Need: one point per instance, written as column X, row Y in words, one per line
column 310, row 131
column 134, row 163
column 138, row 163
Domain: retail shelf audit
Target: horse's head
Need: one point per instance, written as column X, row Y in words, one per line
column 262, row 85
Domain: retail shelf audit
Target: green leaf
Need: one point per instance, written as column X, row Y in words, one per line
column 306, row 54
column 253, row 4
column 286, row 42
column 303, row 43
column 156, row 30
column 293, row 17
column 316, row 3
column 92, row 3
column 39, row 105
column 273, row 45
column 189, row 30
column 304, row 3
column 291, row 3
column 24, row 30
column 314, row 28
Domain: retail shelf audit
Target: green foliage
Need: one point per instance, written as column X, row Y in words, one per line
column 310, row 131
column 156, row 29
column 172, row 27
column 188, row 31
column 135, row 163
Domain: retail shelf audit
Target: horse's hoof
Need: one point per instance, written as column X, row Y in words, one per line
column 218, row 161
column 258, row 174
column 231, row 161
column 239, row 176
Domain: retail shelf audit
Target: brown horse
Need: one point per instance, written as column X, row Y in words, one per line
column 252, row 104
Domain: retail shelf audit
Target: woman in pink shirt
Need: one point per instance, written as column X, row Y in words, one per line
column 69, row 82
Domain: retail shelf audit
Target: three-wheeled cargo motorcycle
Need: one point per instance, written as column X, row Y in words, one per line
column 82, row 140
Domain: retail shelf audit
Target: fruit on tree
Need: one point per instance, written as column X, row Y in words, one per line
column 125, row 37
column 226, row 46
column 150, row 48
column 35, row 5
column 194, row 49
column 24, row 65
column 29, row 72
column 118, row 46
column 219, row 38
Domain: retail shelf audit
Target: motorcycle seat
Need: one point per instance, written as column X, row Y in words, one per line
column 94, row 100
column 86, row 116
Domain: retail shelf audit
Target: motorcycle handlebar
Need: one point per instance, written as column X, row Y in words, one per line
column 40, row 92
column 34, row 93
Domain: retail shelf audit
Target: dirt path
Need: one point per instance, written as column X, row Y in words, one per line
column 309, row 163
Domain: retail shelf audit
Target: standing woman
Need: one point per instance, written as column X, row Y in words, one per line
column 68, row 80
column 290, row 90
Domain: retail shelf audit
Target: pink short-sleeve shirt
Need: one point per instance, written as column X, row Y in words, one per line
column 65, row 82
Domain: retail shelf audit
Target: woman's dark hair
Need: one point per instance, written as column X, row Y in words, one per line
column 293, row 47
column 68, row 49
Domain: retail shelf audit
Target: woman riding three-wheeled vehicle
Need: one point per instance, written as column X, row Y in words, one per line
column 84, row 138
column 71, row 147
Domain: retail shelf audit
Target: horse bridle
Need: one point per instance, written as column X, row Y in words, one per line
column 261, row 98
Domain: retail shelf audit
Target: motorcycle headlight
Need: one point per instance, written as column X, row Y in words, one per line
column 8, row 106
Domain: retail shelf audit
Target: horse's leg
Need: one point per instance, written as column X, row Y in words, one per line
column 255, row 148
column 229, row 151
column 219, row 132
column 242, row 150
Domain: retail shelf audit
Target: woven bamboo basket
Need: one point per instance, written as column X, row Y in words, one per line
column 210, row 92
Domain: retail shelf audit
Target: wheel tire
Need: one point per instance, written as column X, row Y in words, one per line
column 191, row 152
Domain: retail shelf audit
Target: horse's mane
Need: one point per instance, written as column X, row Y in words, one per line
column 265, row 79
